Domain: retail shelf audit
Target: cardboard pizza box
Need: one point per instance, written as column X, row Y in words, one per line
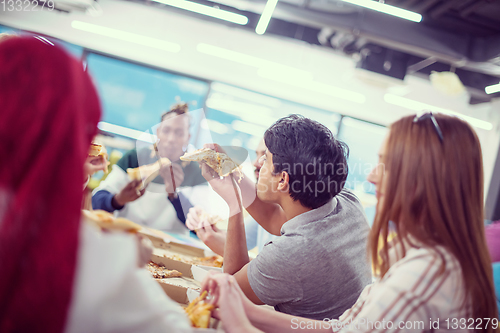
column 164, row 256
column 183, row 290
column 181, row 241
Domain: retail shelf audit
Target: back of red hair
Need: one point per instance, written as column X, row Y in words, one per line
column 49, row 111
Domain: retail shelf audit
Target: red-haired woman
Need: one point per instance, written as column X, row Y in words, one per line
column 58, row 274
column 436, row 274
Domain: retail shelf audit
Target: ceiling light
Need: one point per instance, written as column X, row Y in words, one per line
column 207, row 10
column 128, row 132
column 245, row 94
column 323, row 88
column 282, row 73
column 248, row 128
column 251, row 113
column 126, row 36
column 364, row 126
column 265, row 17
column 237, row 108
column 492, row 89
column 419, row 106
column 387, row 9
column 214, row 126
column 249, row 60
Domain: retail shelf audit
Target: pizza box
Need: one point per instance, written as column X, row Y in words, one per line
column 181, row 289
column 181, row 241
column 163, row 256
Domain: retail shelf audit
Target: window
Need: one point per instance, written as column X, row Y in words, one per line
column 238, row 117
column 364, row 140
column 134, row 96
column 71, row 48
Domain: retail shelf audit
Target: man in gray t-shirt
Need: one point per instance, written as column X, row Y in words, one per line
column 319, row 266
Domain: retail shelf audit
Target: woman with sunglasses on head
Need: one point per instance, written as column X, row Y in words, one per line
column 59, row 273
column 436, row 274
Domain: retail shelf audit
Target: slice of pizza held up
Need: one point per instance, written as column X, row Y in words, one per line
column 97, row 150
column 220, row 162
column 147, row 172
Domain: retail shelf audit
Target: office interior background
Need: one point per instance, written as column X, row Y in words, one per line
column 354, row 66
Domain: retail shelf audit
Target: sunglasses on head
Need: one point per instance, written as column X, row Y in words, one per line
column 429, row 115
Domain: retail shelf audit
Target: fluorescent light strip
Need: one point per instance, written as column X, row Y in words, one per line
column 363, row 126
column 419, row 106
column 265, row 17
column 206, row 10
column 323, row 88
column 237, row 108
column 214, row 126
column 126, row 36
column 248, row 128
column 281, row 73
column 492, row 89
column 245, row 94
column 254, row 114
column 387, row 9
column 128, row 132
column 249, row 60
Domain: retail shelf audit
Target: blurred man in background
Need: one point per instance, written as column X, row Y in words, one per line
column 159, row 206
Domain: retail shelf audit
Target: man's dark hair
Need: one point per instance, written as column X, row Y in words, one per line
column 315, row 161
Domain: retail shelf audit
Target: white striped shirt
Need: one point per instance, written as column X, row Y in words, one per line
column 415, row 295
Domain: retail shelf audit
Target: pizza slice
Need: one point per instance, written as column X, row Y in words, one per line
column 160, row 272
column 97, row 150
column 147, row 172
column 199, row 311
column 106, row 221
column 220, row 162
column 212, row 261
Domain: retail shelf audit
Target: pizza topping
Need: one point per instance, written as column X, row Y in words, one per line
column 97, row 150
column 213, row 261
column 160, row 272
column 220, row 162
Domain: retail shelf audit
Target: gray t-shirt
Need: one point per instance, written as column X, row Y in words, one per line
column 319, row 266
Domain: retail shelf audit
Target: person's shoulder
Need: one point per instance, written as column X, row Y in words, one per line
column 284, row 247
column 426, row 258
column 348, row 209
